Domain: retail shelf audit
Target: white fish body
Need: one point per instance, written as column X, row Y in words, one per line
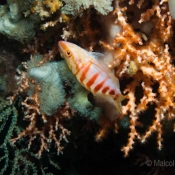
column 92, row 73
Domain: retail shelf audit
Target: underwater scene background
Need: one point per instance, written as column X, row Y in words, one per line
column 50, row 124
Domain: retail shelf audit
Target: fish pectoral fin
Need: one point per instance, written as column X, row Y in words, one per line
column 100, row 99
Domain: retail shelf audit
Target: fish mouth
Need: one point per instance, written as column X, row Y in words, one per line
column 61, row 48
column 62, row 45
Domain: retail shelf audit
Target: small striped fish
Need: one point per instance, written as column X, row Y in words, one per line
column 91, row 72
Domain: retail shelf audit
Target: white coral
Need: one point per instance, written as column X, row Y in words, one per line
column 102, row 6
column 52, row 94
column 172, row 8
column 74, row 6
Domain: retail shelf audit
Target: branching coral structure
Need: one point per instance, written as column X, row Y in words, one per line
column 15, row 159
column 148, row 60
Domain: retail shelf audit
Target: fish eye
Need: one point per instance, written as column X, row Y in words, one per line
column 68, row 53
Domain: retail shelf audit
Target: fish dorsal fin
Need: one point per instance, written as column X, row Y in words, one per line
column 98, row 55
column 106, row 57
column 98, row 59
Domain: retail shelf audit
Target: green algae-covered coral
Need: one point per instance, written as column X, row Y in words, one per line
column 13, row 23
column 52, row 94
column 50, row 78
column 52, row 97
column 78, row 101
column 19, row 19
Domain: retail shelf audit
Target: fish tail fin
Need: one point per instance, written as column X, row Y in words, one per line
column 118, row 103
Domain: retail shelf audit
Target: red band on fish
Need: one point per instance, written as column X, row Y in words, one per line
column 112, row 92
column 116, row 96
column 92, row 80
column 84, row 72
column 100, row 85
column 105, row 89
